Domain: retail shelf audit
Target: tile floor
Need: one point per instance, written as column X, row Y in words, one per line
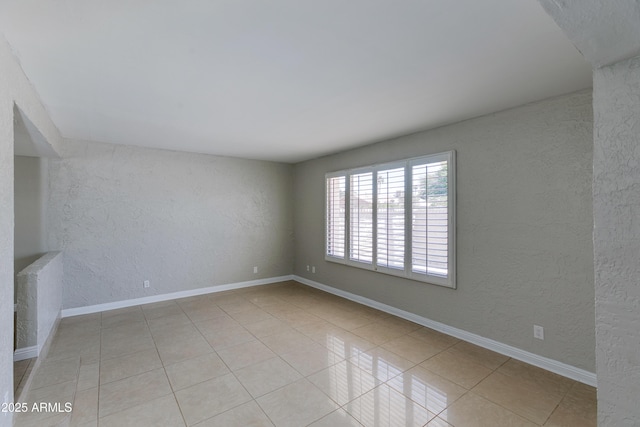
column 21, row 371
column 287, row 355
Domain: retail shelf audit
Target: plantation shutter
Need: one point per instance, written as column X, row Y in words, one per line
column 336, row 216
column 361, row 217
column 390, row 218
column 429, row 228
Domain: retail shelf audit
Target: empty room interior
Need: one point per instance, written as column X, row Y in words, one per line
column 367, row 213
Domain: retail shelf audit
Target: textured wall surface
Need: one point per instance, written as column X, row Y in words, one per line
column 123, row 215
column 39, row 299
column 31, row 196
column 616, row 194
column 524, row 224
column 14, row 87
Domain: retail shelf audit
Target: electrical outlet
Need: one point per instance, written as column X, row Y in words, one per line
column 146, row 283
column 538, row 332
column 255, row 270
column 307, row 267
column 313, row 269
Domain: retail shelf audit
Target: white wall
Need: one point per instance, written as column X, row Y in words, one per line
column 14, row 88
column 616, row 193
column 524, row 228
column 30, row 201
column 39, row 300
column 123, row 215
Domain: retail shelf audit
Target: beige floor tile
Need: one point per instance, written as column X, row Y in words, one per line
column 377, row 333
column 84, row 319
column 169, row 321
column 383, row 406
column 85, row 348
column 128, row 392
column 578, row 407
column 312, row 359
column 345, row 343
column 297, row 404
column 350, row 322
column 412, row 348
column 339, row 418
column 438, row 422
column 196, row 301
column 484, row 357
column 221, row 336
column 85, row 407
column 526, row 399
column 88, row 376
column 62, row 392
column 245, row 354
column 161, row 309
column 183, row 349
column 427, row 389
column 193, row 371
column 264, row 377
column 210, row 398
column 112, row 347
column 456, row 368
column 162, row 411
column 268, row 327
column 264, row 300
column 118, row 311
column 287, row 342
column 56, row 372
column 126, row 318
column 200, row 314
column 135, row 330
column 246, row 415
column 174, row 333
column 297, row 317
column 344, row 382
column 383, row 369
column 472, row 410
column 552, row 383
column 127, row 366
column 319, row 330
column 399, row 324
column 251, row 316
column 226, row 298
column 42, row 419
column 381, row 363
column 232, row 308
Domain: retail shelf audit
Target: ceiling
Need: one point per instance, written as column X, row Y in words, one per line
column 283, row 80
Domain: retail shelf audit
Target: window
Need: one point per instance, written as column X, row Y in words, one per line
column 396, row 218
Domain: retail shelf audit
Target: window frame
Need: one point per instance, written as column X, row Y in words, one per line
column 407, row 271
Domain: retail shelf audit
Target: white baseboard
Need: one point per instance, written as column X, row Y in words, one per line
column 555, row 366
column 69, row 312
column 25, row 353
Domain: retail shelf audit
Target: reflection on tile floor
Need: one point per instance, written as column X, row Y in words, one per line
column 287, row 355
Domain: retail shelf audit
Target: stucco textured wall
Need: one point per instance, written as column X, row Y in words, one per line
column 31, row 197
column 524, row 228
column 123, row 215
column 616, row 193
column 14, row 88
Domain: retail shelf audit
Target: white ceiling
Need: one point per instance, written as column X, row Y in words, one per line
column 283, row 80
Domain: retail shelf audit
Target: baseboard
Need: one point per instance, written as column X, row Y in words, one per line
column 555, row 366
column 25, row 353
column 69, row 312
